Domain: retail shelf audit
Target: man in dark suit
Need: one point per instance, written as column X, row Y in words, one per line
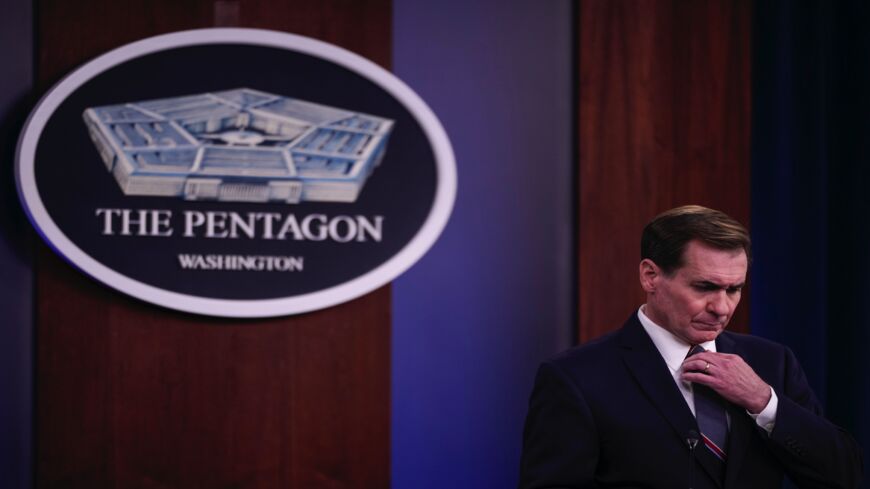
column 671, row 400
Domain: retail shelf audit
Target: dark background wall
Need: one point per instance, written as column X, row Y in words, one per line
column 810, row 199
column 16, row 318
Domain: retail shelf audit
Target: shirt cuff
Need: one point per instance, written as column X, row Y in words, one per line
column 767, row 417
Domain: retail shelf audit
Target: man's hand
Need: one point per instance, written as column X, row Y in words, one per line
column 730, row 376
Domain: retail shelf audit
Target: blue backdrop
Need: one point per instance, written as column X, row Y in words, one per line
column 473, row 319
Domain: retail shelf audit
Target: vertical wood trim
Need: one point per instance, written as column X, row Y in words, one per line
column 664, row 120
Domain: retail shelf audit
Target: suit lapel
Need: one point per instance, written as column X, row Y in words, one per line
column 654, row 378
column 652, row 375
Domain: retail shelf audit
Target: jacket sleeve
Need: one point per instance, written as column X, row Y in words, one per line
column 560, row 446
column 814, row 451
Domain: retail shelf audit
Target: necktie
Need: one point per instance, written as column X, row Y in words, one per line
column 710, row 414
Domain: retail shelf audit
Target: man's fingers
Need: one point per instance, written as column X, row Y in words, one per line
column 699, row 378
column 710, row 356
column 695, row 377
column 694, row 365
column 728, row 375
column 700, row 361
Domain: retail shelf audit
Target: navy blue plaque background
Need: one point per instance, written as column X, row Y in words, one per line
column 73, row 181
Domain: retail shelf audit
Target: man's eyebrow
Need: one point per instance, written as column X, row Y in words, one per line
column 706, row 284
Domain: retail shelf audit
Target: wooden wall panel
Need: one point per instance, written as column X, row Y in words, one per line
column 664, row 120
column 133, row 395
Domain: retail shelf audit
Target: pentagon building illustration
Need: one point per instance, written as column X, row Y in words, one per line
column 238, row 145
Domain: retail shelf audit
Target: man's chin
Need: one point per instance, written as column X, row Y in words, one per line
column 706, row 333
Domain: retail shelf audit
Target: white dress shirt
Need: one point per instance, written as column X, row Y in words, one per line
column 674, row 350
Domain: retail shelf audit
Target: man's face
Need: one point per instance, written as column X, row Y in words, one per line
column 696, row 302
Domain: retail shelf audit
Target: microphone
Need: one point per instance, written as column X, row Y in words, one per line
column 692, row 442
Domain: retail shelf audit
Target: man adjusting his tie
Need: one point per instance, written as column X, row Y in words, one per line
column 672, row 400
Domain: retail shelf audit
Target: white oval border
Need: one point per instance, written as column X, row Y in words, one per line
column 445, row 193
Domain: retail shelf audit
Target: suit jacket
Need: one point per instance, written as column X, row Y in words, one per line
column 608, row 414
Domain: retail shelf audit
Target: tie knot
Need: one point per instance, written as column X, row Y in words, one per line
column 695, row 350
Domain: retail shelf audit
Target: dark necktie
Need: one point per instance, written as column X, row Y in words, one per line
column 710, row 413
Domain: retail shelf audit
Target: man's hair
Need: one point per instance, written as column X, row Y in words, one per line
column 665, row 238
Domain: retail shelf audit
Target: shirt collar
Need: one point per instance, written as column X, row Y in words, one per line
column 672, row 349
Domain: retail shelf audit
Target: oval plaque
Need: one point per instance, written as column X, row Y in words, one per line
column 236, row 172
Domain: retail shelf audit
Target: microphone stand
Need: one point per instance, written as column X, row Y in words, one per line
column 692, row 441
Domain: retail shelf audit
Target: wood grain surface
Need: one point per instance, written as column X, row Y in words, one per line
column 131, row 395
column 664, row 120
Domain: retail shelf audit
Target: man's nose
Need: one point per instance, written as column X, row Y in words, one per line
column 719, row 304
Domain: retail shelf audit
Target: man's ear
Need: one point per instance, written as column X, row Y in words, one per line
column 649, row 275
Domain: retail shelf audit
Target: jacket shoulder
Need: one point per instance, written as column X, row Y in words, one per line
column 595, row 353
column 755, row 345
